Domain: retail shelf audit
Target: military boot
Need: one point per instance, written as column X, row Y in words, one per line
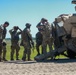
column 29, row 58
column 4, row 59
column 0, row 59
column 24, row 59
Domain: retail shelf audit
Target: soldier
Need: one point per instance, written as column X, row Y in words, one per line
column 3, row 32
column 39, row 39
column 47, row 35
column 15, row 41
column 27, row 41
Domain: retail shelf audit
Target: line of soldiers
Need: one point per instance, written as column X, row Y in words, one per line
column 43, row 38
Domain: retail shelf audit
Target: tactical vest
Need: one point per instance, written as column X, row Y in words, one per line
column 15, row 37
column 4, row 33
column 39, row 38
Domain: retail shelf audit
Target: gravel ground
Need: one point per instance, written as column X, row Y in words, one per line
column 53, row 67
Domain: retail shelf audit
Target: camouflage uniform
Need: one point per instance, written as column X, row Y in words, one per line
column 4, row 43
column 15, row 43
column 47, row 36
column 38, row 42
column 3, row 32
column 26, row 38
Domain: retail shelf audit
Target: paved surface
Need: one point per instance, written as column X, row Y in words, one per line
column 57, row 67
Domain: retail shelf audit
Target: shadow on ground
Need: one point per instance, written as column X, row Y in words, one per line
column 59, row 60
column 20, row 62
column 43, row 61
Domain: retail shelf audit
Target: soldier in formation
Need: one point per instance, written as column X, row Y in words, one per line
column 15, row 41
column 3, row 32
column 27, row 41
column 39, row 40
column 47, row 35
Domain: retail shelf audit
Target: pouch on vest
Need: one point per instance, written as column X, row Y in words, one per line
column 16, row 37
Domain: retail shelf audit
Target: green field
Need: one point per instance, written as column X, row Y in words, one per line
column 33, row 54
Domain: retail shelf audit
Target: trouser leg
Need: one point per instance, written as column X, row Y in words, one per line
column 37, row 48
column 0, row 52
column 42, row 49
column 12, row 52
column 28, row 54
column 24, row 55
column 17, row 52
column 4, row 52
column 44, row 45
column 50, row 43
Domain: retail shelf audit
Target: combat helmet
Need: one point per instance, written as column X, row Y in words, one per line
column 27, row 25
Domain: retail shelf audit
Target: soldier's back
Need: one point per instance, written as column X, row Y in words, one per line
column 24, row 35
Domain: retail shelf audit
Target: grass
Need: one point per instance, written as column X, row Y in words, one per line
column 33, row 54
column 8, row 47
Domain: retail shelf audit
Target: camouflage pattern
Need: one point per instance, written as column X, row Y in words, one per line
column 3, row 32
column 47, row 37
column 14, row 43
column 26, row 38
column 4, row 43
column 39, row 39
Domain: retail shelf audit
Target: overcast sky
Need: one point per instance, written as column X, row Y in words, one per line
column 20, row 12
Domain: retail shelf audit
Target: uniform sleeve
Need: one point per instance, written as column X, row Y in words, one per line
column 19, row 33
column 10, row 31
column 4, row 33
column 1, row 31
column 29, row 35
column 38, row 24
column 36, row 37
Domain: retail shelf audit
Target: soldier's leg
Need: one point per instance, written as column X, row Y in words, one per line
column 4, row 53
column 24, row 54
column 37, row 48
column 44, row 45
column 25, row 44
column 17, row 52
column 0, row 52
column 42, row 49
column 28, row 53
column 12, row 52
column 50, row 43
column 0, row 49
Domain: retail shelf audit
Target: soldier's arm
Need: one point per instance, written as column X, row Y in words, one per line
column 36, row 37
column 1, row 30
column 20, row 31
column 10, row 31
column 38, row 24
column 29, row 35
column 30, row 38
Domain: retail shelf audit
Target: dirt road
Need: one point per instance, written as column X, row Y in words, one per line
column 57, row 67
